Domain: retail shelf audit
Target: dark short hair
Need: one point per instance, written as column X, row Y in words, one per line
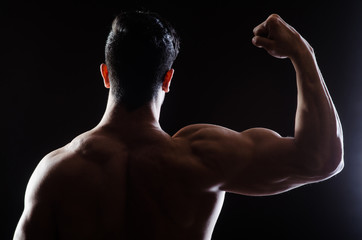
column 140, row 49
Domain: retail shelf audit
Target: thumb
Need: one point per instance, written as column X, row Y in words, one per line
column 262, row 42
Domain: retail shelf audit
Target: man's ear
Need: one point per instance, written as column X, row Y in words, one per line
column 167, row 80
column 104, row 73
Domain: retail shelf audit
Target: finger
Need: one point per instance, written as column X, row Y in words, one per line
column 261, row 30
column 262, row 42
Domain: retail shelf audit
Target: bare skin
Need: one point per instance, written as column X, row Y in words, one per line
column 128, row 179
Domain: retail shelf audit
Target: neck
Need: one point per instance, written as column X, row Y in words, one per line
column 118, row 117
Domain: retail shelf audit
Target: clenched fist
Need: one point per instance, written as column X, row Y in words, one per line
column 280, row 39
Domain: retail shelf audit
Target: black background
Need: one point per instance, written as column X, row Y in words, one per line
column 52, row 91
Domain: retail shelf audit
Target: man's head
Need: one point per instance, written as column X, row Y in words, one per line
column 140, row 50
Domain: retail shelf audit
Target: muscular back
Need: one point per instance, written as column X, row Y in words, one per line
column 148, row 186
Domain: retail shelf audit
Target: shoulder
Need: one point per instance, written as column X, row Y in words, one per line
column 44, row 190
column 216, row 144
column 37, row 218
column 203, row 131
column 210, row 130
column 63, row 165
column 46, row 175
column 206, row 134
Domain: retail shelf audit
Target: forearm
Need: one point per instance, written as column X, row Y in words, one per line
column 318, row 132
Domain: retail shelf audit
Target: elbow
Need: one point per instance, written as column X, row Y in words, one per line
column 332, row 168
column 334, row 155
column 335, row 164
column 328, row 164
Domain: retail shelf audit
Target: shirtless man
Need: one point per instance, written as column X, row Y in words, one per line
column 128, row 179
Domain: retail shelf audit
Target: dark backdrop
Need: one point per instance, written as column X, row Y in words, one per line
column 52, row 91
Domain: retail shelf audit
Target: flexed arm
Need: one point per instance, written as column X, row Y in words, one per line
column 318, row 131
column 259, row 161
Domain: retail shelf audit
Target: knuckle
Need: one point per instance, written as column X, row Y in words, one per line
column 273, row 18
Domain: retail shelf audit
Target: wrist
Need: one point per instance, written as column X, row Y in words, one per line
column 303, row 52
